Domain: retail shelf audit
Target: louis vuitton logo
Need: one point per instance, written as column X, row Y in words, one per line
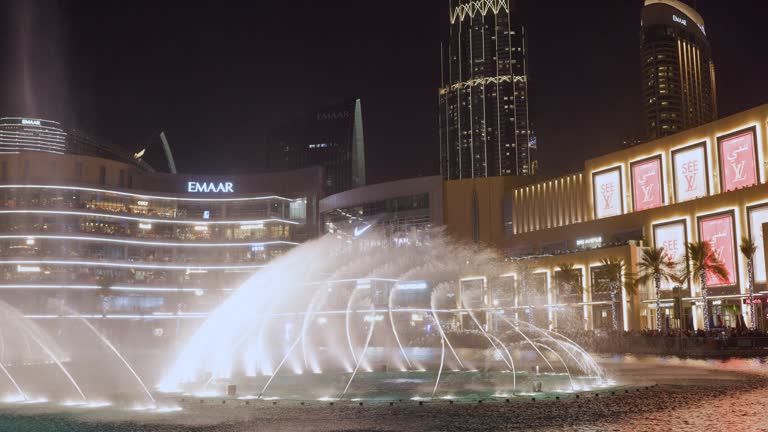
column 646, row 188
column 607, row 200
column 690, row 182
column 607, row 191
column 738, row 171
column 718, row 248
column 738, row 167
column 647, row 192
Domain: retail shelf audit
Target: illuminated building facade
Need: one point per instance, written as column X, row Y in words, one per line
column 19, row 134
column 704, row 184
column 331, row 137
column 678, row 73
column 148, row 250
column 401, row 209
column 485, row 129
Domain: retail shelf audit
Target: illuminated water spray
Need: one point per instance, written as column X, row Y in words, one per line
column 21, row 331
column 306, row 311
column 120, row 356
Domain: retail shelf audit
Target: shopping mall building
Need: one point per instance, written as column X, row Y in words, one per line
column 704, row 184
column 114, row 240
column 110, row 239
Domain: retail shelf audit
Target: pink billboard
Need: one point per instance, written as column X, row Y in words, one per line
column 647, row 192
column 607, row 193
column 738, row 167
column 718, row 231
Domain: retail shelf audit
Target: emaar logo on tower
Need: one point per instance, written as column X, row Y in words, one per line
column 221, row 187
column 333, row 115
column 682, row 21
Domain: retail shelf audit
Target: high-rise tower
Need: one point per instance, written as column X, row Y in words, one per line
column 331, row 137
column 678, row 73
column 484, row 121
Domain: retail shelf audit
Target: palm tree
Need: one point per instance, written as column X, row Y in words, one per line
column 703, row 260
column 617, row 277
column 569, row 278
column 748, row 249
column 656, row 265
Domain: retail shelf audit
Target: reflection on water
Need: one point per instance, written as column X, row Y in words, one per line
column 692, row 395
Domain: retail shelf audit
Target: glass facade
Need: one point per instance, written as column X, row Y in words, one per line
column 395, row 216
column 76, row 238
column 77, row 243
column 485, row 129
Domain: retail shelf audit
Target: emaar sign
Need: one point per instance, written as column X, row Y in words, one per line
column 221, row 187
column 679, row 20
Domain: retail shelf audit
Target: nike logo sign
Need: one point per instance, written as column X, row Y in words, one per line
column 359, row 231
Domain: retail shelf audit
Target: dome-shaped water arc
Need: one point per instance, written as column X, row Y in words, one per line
column 334, row 309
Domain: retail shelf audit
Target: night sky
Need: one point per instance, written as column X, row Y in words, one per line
column 215, row 76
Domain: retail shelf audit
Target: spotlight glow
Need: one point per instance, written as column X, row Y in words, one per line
column 97, row 404
column 167, row 409
column 13, row 398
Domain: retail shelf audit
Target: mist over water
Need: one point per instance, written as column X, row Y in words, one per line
column 336, row 306
column 346, row 322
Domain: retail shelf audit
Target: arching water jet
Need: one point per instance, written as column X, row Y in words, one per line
column 362, row 357
column 15, row 384
column 117, row 353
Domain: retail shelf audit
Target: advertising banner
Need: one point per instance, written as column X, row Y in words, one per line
column 757, row 217
column 607, row 193
column 672, row 237
column 718, row 231
column 647, row 184
column 690, row 168
column 738, row 167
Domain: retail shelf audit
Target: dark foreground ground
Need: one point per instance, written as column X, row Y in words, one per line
column 681, row 395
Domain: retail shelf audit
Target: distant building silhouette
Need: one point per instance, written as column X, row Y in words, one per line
column 331, row 137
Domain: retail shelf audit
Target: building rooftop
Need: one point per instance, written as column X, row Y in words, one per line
column 682, row 7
